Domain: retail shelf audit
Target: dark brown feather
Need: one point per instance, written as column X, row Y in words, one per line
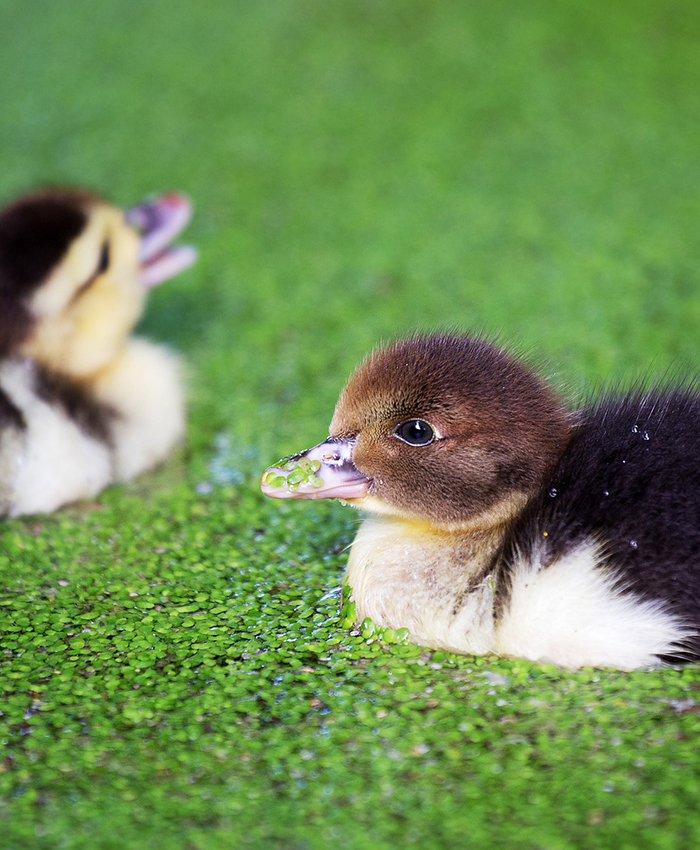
column 10, row 414
column 91, row 416
column 35, row 233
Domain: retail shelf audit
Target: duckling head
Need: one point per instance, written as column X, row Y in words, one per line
column 75, row 270
column 446, row 429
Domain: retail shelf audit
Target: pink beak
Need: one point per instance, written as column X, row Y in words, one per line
column 159, row 221
column 324, row 472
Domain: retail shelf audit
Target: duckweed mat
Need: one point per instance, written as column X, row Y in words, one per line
column 173, row 666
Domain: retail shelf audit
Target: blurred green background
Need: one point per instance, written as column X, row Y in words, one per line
column 174, row 671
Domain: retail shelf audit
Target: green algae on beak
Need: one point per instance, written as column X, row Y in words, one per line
column 299, row 473
column 297, row 477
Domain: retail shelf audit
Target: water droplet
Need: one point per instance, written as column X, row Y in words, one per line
column 635, row 429
column 553, row 492
column 645, row 435
column 633, row 544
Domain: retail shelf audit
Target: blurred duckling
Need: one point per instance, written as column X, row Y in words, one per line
column 82, row 403
column 500, row 522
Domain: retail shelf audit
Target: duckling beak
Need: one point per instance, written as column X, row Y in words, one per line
column 324, row 472
column 159, row 221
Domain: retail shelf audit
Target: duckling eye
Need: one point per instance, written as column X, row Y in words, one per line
column 415, row 432
column 103, row 264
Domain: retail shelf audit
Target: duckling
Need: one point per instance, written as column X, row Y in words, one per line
column 82, row 402
column 501, row 522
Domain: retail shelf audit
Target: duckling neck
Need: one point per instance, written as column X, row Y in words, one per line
column 438, row 584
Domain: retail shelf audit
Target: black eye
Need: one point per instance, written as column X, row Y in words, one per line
column 415, row 432
column 103, row 264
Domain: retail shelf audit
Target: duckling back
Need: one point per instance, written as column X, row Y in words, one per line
column 615, row 531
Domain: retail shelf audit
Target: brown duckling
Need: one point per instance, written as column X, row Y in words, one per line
column 82, row 402
column 502, row 522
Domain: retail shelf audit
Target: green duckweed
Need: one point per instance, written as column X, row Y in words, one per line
column 173, row 669
column 301, row 471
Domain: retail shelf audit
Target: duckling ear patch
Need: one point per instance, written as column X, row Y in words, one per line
column 35, row 234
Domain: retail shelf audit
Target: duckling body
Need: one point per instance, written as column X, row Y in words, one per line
column 515, row 527
column 82, row 403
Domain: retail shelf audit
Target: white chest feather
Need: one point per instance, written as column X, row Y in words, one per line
column 438, row 586
column 431, row 584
